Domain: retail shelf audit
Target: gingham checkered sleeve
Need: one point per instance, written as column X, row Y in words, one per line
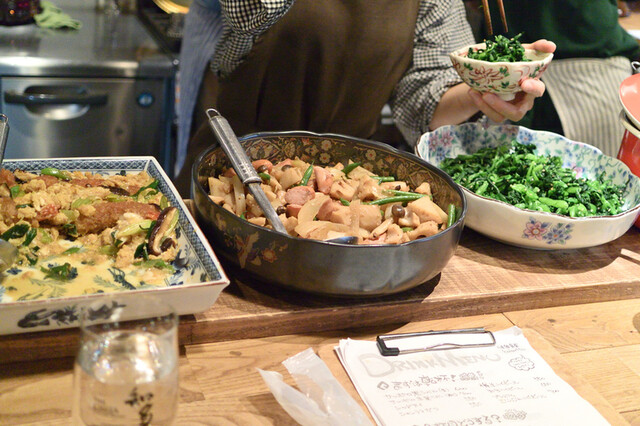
column 441, row 28
column 244, row 20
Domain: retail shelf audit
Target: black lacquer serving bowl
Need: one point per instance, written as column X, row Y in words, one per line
column 317, row 266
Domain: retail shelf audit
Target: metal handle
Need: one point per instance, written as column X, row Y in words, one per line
column 12, row 97
column 242, row 165
column 231, row 146
column 4, row 133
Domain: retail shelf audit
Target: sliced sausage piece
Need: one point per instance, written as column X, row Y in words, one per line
column 293, row 210
column 299, row 195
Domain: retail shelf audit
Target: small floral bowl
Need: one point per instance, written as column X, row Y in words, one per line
column 501, row 78
column 528, row 228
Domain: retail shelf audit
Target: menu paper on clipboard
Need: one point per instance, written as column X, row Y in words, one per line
column 506, row 383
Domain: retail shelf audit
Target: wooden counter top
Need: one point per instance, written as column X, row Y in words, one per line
column 483, row 277
column 593, row 347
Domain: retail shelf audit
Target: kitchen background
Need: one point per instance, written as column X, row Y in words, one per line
column 104, row 89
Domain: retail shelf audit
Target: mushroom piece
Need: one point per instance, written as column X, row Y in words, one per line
column 165, row 224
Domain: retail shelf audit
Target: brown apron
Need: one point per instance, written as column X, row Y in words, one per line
column 328, row 66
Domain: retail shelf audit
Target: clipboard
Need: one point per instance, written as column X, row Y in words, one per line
column 434, row 340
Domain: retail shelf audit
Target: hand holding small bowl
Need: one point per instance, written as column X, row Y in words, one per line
column 504, row 79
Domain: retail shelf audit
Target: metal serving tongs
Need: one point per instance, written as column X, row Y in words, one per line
column 248, row 175
column 487, row 16
column 8, row 252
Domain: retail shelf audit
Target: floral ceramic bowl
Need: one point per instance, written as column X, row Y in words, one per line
column 501, row 78
column 317, row 266
column 527, row 228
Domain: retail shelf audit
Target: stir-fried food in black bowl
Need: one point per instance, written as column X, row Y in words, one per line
column 407, row 214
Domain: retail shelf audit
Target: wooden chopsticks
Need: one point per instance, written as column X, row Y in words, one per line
column 487, row 16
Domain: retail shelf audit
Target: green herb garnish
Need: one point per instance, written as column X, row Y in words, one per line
column 500, row 49
column 64, row 272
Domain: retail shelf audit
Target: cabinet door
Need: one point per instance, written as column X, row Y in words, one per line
column 71, row 117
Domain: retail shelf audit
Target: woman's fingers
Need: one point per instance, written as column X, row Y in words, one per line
column 499, row 110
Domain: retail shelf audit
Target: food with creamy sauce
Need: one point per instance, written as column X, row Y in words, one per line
column 82, row 233
column 343, row 200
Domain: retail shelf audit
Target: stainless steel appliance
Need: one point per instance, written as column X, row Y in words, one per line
column 106, row 89
column 70, row 117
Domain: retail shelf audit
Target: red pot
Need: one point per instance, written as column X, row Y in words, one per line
column 629, row 152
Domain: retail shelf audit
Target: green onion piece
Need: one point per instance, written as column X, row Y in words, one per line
column 45, row 237
column 71, row 250
column 81, row 202
column 345, row 202
column 16, row 191
column 16, row 231
column 164, row 203
column 152, row 185
column 52, row 171
column 133, row 229
column 31, row 234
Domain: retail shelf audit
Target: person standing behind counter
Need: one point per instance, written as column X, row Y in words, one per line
column 591, row 60
column 330, row 66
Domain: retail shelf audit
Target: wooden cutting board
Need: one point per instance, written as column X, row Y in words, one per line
column 483, row 277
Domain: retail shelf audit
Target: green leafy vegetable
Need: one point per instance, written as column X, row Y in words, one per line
column 16, row 231
column 514, row 174
column 500, row 49
column 64, row 272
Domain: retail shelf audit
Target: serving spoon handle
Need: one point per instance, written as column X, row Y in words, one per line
column 242, row 165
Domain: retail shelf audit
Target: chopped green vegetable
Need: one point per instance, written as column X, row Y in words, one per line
column 381, row 179
column 72, row 250
column 81, row 202
column 152, row 185
column 64, row 272
column 500, row 49
column 52, row 171
column 31, row 234
column 514, row 174
column 16, row 191
column 396, row 199
column 264, row 176
column 306, row 176
column 349, row 167
column 345, row 202
column 451, row 215
column 16, row 231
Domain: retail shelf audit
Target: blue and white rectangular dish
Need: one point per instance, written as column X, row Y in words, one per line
column 194, row 287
